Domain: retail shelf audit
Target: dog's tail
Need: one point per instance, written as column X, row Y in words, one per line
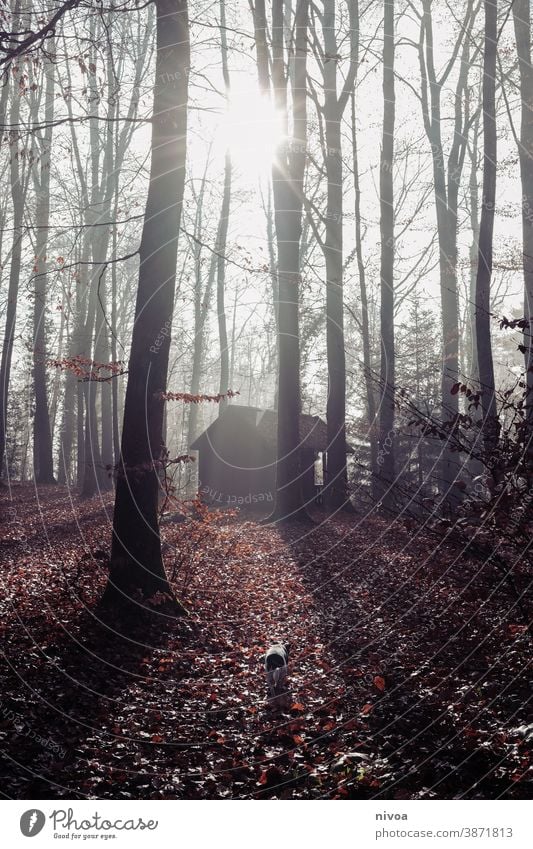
column 276, row 675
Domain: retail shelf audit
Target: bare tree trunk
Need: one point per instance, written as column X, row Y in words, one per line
column 73, row 399
column 447, row 178
column 287, row 184
column 93, row 473
column 56, row 382
column 71, row 414
column 221, row 273
column 336, row 484
column 202, row 302
column 114, row 352
column 42, row 437
column 272, row 263
column 109, row 178
column 471, row 366
column 233, row 340
column 92, row 459
column 387, row 370
column 365, row 326
column 137, row 571
column 17, row 197
column 472, row 372
column 287, row 188
column 486, row 228
column 222, row 234
column 522, row 27
column 102, row 354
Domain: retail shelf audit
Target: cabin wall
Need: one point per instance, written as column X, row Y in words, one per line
column 235, row 468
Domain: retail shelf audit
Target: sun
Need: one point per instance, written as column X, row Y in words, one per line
column 251, row 130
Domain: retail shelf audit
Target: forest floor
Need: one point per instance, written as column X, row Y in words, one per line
column 408, row 675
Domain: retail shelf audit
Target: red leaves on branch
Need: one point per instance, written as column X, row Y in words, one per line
column 86, row 369
column 187, row 398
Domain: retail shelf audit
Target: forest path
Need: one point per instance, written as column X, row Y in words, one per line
column 407, row 678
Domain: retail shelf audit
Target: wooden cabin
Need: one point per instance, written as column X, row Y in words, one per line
column 237, row 458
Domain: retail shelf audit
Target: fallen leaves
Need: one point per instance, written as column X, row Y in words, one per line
column 401, row 681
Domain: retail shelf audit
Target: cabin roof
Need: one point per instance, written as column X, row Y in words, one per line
column 313, row 429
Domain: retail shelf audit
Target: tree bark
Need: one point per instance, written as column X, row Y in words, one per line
column 137, row 570
column 222, row 233
column 202, row 301
column 522, row 28
column 287, row 189
column 365, row 324
column 17, row 197
column 386, row 457
column 114, row 352
column 42, row 437
column 447, row 178
column 486, row 228
column 471, row 366
column 336, row 483
column 287, row 185
column 93, row 471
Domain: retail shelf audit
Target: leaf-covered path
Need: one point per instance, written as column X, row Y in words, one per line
column 409, row 664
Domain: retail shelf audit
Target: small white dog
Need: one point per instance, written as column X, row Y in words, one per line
column 276, row 667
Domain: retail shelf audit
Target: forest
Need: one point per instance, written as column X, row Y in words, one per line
column 266, row 379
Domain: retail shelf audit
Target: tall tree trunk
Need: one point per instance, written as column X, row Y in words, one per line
column 233, row 340
column 102, row 354
column 287, row 186
column 365, row 325
column 221, row 274
column 103, row 346
column 202, row 302
column 17, row 197
column 80, row 431
column 475, row 466
column 288, row 171
column 42, row 437
column 522, row 28
column 92, row 459
column 387, row 370
column 447, row 179
column 273, row 265
column 471, row 362
column 56, row 381
column 336, row 483
column 114, row 352
column 222, row 234
column 71, row 400
column 486, row 228
column 96, row 332
column 137, row 570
